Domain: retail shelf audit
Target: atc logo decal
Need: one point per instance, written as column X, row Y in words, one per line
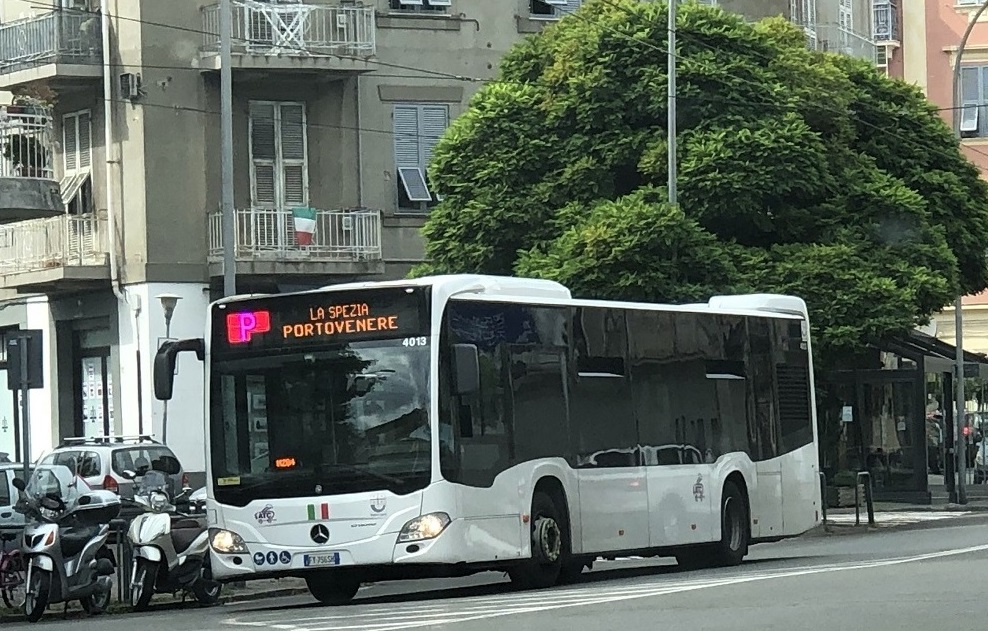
column 266, row 515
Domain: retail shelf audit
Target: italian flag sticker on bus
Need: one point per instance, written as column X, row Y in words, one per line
column 318, row 511
column 305, row 225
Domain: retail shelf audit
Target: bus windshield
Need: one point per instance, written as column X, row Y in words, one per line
column 341, row 412
column 346, row 420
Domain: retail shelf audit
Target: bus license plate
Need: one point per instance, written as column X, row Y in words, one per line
column 331, row 558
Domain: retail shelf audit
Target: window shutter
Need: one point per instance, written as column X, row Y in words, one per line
column 262, row 134
column 70, row 144
column 435, row 120
column 262, row 154
column 293, row 180
column 85, row 140
column 406, row 134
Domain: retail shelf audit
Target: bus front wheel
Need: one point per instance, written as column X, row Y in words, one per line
column 550, row 545
column 333, row 588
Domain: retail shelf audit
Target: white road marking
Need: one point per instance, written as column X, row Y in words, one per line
column 897, row 518
column 459, row 610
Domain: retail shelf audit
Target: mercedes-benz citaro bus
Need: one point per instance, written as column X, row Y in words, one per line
column 449, row 425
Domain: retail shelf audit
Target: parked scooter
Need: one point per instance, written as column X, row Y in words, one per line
column 171, row 550
column 65, row 546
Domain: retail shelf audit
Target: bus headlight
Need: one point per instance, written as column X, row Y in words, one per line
column 226, row 542
column 427, row 526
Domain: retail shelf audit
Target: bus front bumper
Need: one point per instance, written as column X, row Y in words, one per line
column 481, row 540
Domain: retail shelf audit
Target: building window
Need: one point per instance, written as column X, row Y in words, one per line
column 885, row 24
column 552, row 9
column 279, row 181
column 974, row 92
column 278, row 165
column 77, row 155
column 417, row 130
column 420, row 6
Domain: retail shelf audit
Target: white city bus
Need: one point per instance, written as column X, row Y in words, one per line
column 449, row 425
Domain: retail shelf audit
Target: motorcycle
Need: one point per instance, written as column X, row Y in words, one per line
column 171, row 549
column 64, row 544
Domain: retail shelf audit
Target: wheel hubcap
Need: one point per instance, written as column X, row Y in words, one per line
column 547, row 540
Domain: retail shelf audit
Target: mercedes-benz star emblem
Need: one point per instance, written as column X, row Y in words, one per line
column 319, row 534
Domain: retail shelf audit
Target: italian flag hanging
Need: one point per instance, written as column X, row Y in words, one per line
column 318, row 511
column 305, row 225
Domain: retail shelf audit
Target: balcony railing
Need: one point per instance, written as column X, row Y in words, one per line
column 886, row 23
column 269, row 234
column 26, row 142
column 837, row 39
column 63, row 36
column 63, row 241
column 294, row 30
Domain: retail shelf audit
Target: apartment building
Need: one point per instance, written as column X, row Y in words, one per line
column 111, row 185
column 931, row 37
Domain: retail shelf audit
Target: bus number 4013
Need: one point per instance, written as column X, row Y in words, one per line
column 415, row 341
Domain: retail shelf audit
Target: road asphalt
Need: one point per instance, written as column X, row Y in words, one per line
column 883, row 579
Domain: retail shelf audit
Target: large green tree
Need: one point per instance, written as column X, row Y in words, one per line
column 799, row 172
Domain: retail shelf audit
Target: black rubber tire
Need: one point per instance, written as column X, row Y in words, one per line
column 538, row 573
column 145, row 577
column 333, row 589
column 735, row 527
column 207, row 591
column 40, row 582
column 97, row 603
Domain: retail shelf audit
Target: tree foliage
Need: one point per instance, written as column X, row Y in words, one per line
column 799, row 172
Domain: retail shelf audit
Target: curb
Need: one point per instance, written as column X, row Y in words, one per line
column 273, row 593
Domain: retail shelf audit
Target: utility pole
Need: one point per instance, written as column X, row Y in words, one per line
column 226, row 148
column 671, row 89
column 960, row 439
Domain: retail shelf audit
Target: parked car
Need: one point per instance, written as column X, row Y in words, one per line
column 10, row 520
column 101, row 461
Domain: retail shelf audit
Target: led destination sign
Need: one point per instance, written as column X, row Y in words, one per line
column 303, row 319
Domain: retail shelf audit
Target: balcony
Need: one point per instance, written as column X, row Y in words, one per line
column 62, row 48
column 834, row 38
column 67, row 252
column 343, row 242
column 886, row 22
column 28, row 189
column 292, row 37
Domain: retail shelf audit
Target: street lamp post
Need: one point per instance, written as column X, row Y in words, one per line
column 672, row 90
column 960, row 442
column 168, row 303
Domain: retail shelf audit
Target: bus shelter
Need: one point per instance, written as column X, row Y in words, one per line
column 890, row 411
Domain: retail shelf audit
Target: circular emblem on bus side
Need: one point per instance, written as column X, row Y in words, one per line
column 319, row 534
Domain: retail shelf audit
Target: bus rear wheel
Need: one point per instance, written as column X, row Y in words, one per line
column 333, row 588
column 734, row 526
column 550, row 544
column 734, row 537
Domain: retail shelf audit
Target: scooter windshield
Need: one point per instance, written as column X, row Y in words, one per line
column 153, row 481
column 56, row 481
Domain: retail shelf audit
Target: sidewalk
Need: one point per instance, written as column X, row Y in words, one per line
column 253, row 590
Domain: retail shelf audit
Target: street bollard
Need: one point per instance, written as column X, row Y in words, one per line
column 869, row 500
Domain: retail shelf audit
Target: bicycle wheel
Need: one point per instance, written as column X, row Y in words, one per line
column 12, row 577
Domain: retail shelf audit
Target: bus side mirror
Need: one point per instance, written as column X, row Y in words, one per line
column 466, row 368
column 164, row 364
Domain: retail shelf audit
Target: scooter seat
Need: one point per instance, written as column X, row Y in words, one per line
column 186, row 523
column 182, row 538
column 75, row 539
